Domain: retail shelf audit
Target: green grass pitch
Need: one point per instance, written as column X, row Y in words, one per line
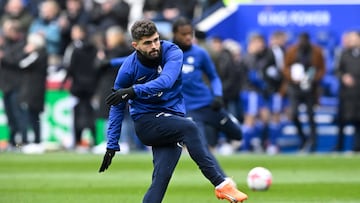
column 74, row 178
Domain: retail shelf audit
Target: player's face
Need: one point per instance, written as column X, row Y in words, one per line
column 149, row 46
column 184, row 35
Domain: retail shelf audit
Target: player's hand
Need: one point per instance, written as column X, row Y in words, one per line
column 103, row 64
column 120, row 95
column 217, row 103
column 110, row 153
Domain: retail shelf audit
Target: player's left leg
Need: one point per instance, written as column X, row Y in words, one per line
column 165, row 159
column 221, row 120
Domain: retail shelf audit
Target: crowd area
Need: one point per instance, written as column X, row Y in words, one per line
column 264, row 81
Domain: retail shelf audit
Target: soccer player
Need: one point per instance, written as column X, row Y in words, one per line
column 150, row 81
column 204, row 103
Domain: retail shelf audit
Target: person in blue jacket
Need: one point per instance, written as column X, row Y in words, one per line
column 150, row 81
column 204, row 102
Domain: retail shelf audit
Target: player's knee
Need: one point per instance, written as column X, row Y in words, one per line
column 190, row 128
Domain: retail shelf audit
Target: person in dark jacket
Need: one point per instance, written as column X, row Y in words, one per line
column 33, row 83
column 74, row 13
column 107, row 13
column 116, row 45
column 349, row 101
column 79, row 61
column 231, row 70
column 10, row 55
column 16, row 10
column 304, row 68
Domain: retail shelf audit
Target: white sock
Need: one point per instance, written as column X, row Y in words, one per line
column 222, row 184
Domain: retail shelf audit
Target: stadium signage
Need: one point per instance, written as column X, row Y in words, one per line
column 299, row 18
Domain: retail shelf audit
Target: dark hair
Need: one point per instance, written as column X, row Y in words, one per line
column 143, row 28
column 257, row 36
column 182, row 21
column 304, row 36
column 304, row 39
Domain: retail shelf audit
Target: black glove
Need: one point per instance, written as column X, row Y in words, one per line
column 217, row 103
column 110, row 153
column 120, row 95
column 102, row 64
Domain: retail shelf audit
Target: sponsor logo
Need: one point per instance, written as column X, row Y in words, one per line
column 124, row 96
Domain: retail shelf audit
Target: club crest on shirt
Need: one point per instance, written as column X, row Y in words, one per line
column 159, row 70
column 187, row 68
column 190, row 60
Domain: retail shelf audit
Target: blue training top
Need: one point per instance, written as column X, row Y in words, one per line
column 197, row 93
column 157, row 89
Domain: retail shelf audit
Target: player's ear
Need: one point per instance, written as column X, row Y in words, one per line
column 134, row 44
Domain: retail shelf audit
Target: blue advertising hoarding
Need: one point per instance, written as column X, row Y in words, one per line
column 316, row 19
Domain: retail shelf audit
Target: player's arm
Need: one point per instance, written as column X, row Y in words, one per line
column 215, row 82
column 168, row 76
column 166, row 79
column 116, row 115
column 117, row 62
column 210, row 71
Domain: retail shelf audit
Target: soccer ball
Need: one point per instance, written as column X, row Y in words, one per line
column 259, row 179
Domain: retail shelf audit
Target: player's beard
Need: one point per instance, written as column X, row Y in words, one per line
column 152, row 55
column 150, row 59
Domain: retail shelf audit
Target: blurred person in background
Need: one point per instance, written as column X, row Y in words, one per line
column 152, row 9
column 349, row 95
column 164, row 13
column 116, row 45
column 261, row 98
column 10, row 54
column 33, row 83
column 204, row 104
column 47, row 25
column 169, row 10
column 339, row 50
column 107, row 13
column 2, row 6
column 79, row 63
column 16, row 10
column 74, row 13
column 174, row 9
column 231, row 69
column 304, row 68
column 278, row 43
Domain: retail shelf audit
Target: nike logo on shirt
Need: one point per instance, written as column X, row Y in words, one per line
column 142, row 78
column 124, row 96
